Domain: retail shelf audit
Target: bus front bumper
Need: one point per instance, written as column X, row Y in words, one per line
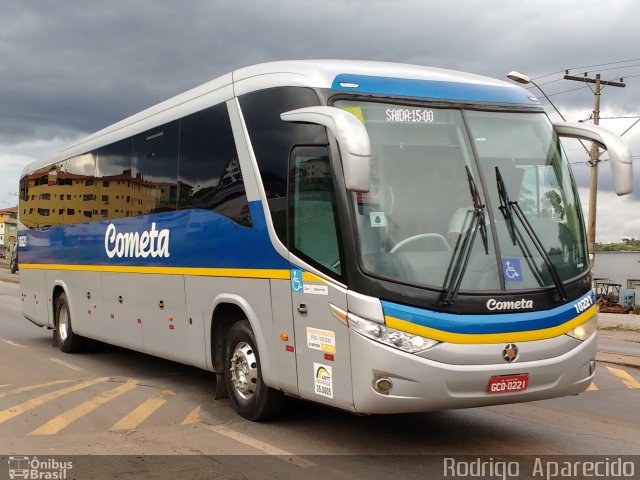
column 421, row 385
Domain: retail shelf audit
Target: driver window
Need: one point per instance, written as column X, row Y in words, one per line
column 313, row 218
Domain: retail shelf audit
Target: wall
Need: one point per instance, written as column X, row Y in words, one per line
column 620, row 267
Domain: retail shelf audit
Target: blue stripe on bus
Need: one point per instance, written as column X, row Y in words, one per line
column 197, row 238
column 485, row 324
column 441, row 90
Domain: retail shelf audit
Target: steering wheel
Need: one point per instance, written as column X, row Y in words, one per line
column 420, row 236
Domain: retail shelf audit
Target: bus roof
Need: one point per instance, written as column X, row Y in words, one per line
column 364, row 77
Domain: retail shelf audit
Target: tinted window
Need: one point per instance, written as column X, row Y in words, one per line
column 40, row 197
column 113, row 185
column 313, row 212
column 155, row 167
column 209, row 175
column 79, row 183
column 272, row 140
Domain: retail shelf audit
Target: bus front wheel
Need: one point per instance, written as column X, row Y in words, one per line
column 250, row 397
column 69, row 342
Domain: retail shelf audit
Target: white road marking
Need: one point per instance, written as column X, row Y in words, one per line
column 261, row 446
column 9, row 342
column 66, row 364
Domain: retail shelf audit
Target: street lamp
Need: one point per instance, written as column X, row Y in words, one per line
column 524, row 80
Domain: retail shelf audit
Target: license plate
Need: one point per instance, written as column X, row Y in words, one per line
column 508, row 384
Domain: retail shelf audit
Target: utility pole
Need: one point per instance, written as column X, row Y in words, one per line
column 595, row 159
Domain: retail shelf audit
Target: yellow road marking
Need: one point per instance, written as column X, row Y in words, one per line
column 627, row 379
column 6, row 385
column 65, row 419
column 140, row 414
column 193, row 417
column 261, row 446
column 12, row 412
column 31, row 387
column 592, row 387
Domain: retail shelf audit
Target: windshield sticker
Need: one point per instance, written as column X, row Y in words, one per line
column 409, row 115
column 324, row 340
column 512, row 270
column 323, row 380
column 378, row 219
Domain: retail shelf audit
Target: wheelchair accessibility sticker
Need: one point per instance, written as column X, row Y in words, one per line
column 512, row 269
column 299, row 286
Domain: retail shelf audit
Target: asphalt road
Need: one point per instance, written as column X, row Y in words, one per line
column 117, row 402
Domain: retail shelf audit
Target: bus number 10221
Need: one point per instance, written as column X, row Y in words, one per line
column 583, row 304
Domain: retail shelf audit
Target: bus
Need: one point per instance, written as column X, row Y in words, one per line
column 376, row 237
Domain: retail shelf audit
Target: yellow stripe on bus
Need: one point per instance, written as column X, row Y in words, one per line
column 207, row 272
column 466, row 338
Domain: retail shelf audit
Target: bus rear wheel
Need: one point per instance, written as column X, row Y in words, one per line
column 68, row 341
column 250, row 397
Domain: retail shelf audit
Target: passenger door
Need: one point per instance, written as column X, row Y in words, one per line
column 322, row 340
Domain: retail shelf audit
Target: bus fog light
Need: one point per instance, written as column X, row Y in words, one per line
column 389, row 336
column 383, row 385
column 592, row 367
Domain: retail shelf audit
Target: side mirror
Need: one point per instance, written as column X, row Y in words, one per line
column 352, row 137
column 619, row 153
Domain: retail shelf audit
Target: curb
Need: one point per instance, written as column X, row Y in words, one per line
column 618, row 359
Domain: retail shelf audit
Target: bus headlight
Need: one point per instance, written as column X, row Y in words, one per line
column 585, row 330
column 404, row 341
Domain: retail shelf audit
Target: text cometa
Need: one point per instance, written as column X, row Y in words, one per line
column 153, row 243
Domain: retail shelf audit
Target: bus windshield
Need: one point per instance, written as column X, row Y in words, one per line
column 435, row 169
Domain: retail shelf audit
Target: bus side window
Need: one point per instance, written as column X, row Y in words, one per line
column 155, row 167
column 313, row 218
column 209, row 175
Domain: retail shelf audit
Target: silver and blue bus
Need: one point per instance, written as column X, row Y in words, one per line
column 376, row 237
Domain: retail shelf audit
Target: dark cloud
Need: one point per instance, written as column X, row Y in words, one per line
column 82, row 65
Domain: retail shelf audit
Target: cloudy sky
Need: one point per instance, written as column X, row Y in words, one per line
column 68, row 68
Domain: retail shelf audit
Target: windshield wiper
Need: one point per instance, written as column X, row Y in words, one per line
column 508, row 207
column 478, row 209
column 469, row 235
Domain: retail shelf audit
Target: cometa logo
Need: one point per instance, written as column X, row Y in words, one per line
column 493, row 304
column 154, row 243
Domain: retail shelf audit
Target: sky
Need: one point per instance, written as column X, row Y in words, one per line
column 69, row 68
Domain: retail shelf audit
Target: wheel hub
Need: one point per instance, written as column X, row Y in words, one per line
column 63, row 323
column 244, row 370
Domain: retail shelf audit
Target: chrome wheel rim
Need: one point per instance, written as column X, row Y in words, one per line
column 244, row 370
column 63, row 323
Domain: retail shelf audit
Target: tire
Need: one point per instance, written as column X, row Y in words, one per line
column 69, row 342
column 250, row 397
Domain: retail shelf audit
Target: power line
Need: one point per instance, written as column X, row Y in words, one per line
column 615, row 68
column 616, row 118
column 587, row 66
column 567, row 91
